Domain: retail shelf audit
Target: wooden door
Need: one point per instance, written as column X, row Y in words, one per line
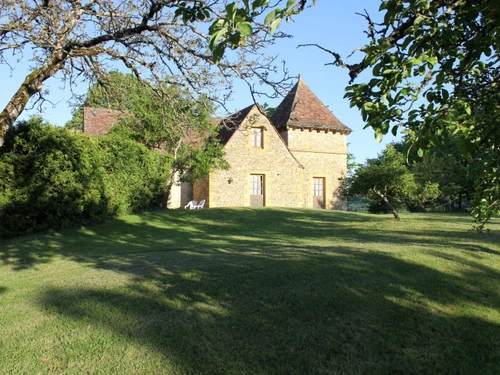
column 319, row 192
column 257, row 190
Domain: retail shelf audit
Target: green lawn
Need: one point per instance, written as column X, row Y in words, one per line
column 253, row 291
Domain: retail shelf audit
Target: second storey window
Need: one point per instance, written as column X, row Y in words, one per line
column 256, row 135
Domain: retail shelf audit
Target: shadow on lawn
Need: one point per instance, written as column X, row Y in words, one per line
column 217, row 291
column 211, row 229
column 308, row 311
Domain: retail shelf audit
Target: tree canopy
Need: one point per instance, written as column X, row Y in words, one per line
column 182, row 40
column 435, row 74
column 157, row 117
column 166, row 119
column 388, row 184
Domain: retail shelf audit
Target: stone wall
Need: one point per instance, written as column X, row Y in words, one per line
column 323, row 154
column 174, row 200
column 315, row 140
column 282, row 173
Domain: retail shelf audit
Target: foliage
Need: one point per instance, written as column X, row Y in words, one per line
column 234, row 29
column 158, row 119
column 203, row 160
column 76, row 121
column 154, row 39
column 351, row 163
column 53, row 178
column 166, row 119
column 435, row 74
column 135, row 177
column 268, row 109
column 387, row 184
column 453, row 172
column 357, row 204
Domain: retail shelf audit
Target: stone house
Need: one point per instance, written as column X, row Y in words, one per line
column 293, row 159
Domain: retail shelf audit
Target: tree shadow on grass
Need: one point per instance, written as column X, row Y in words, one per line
column 208, row 229
column 254, row 291
column 311, row 310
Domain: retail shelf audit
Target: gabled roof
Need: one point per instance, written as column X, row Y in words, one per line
column 302, row 109
column 230, row 124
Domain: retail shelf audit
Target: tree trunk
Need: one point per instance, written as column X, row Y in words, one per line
column 32, row 84
column 386, row 200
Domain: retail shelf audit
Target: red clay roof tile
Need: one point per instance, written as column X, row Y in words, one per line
column 302, row 109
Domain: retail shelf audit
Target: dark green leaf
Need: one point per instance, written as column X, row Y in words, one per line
column 218, row 53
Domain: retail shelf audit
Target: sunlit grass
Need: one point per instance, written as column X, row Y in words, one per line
column 253, row 291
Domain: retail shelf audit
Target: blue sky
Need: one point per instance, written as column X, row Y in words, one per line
column 331, row 24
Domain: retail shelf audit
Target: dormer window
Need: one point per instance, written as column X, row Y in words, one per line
column 256, row 138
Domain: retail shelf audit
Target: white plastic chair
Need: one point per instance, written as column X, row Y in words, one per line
column 191, row 205
column 201, row 204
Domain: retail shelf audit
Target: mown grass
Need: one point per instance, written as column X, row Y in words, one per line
column 253, row 291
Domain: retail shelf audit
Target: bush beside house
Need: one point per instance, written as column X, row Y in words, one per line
column 54, row 178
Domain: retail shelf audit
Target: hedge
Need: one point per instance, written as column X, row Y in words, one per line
column 53, row 178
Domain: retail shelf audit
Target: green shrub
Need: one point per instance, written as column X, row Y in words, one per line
column 53, row 178
column 136, row 177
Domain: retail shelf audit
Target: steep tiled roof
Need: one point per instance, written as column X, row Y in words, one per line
column 229, row 125
column 302, row 109
column 98, row 121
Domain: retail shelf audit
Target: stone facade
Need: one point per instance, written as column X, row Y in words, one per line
column 201, row 190
column 323, row 154
column 302, row 143
column 180, row 193
column 281, row 171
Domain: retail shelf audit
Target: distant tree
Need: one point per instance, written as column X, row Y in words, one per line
column 268, row 109
column 453, row 172
column 351, row 163
column 387, row 184
column 76, row 122
column 156, row 117
column 435, row 72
